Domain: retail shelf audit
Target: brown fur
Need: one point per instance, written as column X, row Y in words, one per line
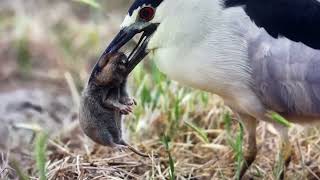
column 113, row 70
column 105, row 100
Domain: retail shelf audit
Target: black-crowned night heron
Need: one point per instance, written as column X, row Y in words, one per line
column 298, row 20
column 201, row 44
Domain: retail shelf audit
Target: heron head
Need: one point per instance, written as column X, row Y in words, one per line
column 141, row 19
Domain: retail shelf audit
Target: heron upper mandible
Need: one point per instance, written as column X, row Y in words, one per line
column 202, row 44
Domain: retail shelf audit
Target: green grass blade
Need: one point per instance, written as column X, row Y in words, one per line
column 279, row 119
column 172, row 170
column 278, row 168
column 200, row 132
column 20, row 173
column 228, row 122
column 239, row 151
column 166, row 141
column 24, row 55
column 40, row 154
column 230, row 140
column 236, row 142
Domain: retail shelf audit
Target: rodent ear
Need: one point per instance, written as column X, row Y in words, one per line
column 101, row 77
column 104, row 61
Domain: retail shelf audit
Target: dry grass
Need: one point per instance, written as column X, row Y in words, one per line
column 52, row 45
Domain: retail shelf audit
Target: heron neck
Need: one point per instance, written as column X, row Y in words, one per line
column 206, row 50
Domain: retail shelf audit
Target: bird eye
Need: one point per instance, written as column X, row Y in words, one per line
column 146, row 13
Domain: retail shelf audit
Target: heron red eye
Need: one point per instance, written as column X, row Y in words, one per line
column 146, row 13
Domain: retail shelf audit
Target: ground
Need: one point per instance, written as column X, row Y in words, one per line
column 47, row 49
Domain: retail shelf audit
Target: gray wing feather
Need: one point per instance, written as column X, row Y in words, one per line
column 286, row 75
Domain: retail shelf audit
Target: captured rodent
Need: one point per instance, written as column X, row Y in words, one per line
column 105, row 100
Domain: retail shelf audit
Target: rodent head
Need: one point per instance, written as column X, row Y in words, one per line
column 118, row 61
column 114, row 68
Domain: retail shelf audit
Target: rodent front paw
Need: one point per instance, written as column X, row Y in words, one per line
column 128, row 101
column 125, row 109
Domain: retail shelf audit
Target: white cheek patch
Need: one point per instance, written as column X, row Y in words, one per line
column 129, row 20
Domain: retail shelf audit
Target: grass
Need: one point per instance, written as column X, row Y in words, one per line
column 166, row 141
column 40, row 154
column 91, row 3
column 199, row 131
column 278, row 169
column 23, row 55
column 236, row 142
column 279, row 119
column 184, row 126
column 20, row 173
column 153, row 92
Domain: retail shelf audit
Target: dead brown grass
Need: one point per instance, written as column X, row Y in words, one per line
column 57, row 26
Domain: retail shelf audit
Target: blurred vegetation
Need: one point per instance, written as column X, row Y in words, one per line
column 23, row 56
column 236, row 142
column 166, row 142
column 49, row 39
column 91, row 3
column 40, row 154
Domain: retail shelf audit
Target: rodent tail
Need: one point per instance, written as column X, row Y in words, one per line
column 122, row 142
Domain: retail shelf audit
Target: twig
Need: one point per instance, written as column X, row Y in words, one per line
column 78, row 165
column 303, row 162
column 127, row 173
column 60, row 147
column 73, row 89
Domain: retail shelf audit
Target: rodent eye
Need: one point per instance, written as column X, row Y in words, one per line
column 147, row 13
